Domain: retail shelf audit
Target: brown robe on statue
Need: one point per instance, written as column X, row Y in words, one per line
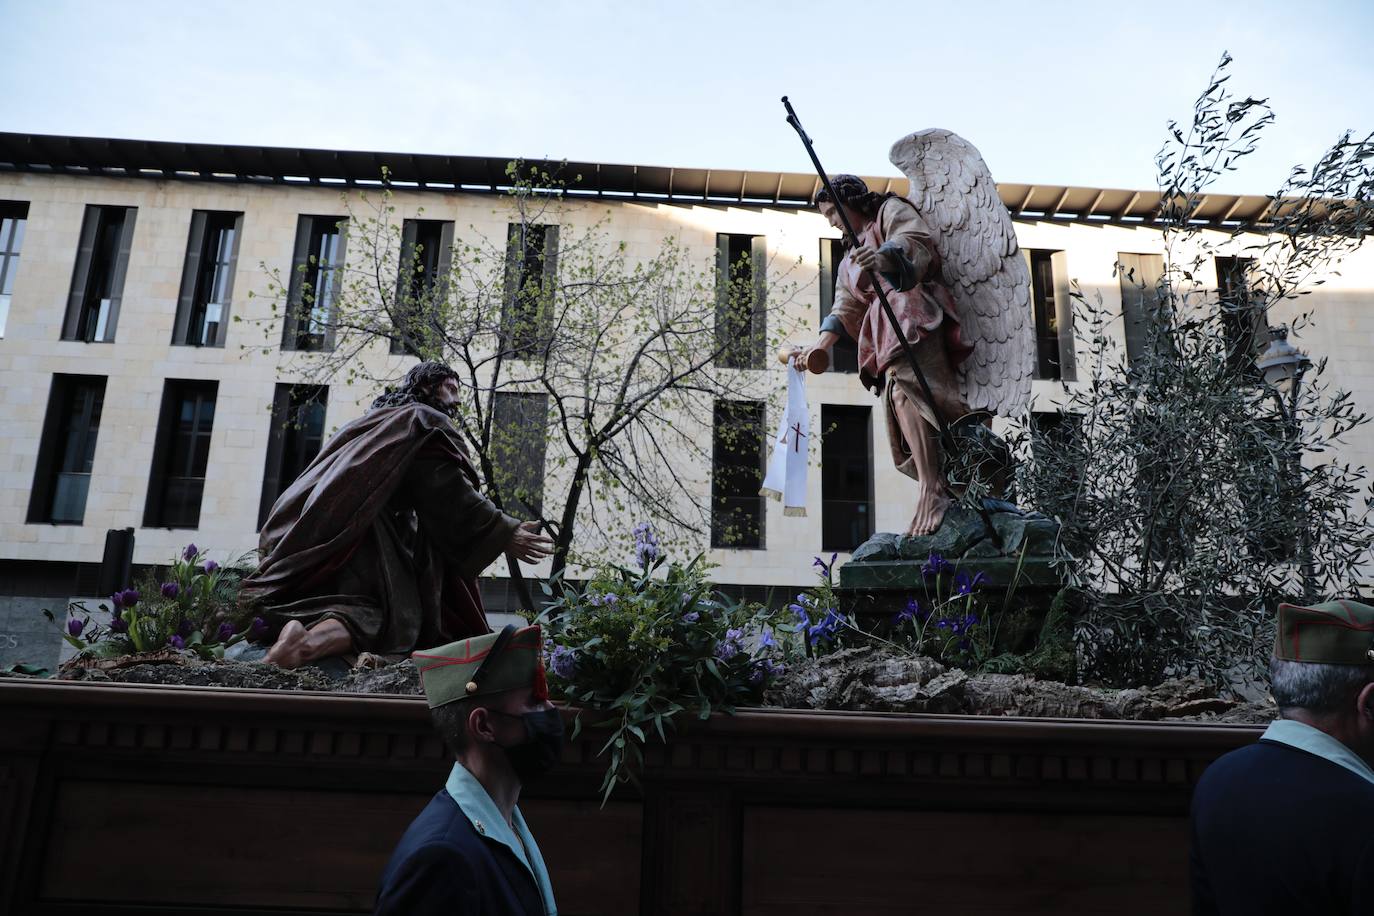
column 929, row 319
column 386, row 532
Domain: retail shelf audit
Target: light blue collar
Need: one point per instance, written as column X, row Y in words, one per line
column 1315, row 741
column 486, row 818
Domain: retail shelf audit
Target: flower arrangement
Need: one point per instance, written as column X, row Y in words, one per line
column 646, row 644
column 193, row 607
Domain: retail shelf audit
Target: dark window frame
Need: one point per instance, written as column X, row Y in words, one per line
column 294, row 438
column 175, row 499
column 741, row 300
column 846, row 446
column 14, row 217
column 317, row 267
column 1246, row 326
column 845, row 355
column 520, row 476
column 530, row 278
column 65, row 439
column 102, row 264
column 207, row 275
column 739, row 475
column 420, row 278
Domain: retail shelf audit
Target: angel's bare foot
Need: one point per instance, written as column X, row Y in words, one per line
column 930, row 511
column 297, row 646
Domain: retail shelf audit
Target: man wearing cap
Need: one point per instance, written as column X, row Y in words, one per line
column 1287, row 825
column 470, row 851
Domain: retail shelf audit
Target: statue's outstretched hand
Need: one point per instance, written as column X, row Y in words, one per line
column 528, row 545
column 826, row 342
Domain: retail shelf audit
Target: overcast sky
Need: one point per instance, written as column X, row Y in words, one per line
column 1051, row 93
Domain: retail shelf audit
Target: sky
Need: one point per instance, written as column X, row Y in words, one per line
column 1059, row 93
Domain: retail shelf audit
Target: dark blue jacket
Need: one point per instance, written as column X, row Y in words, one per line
column 1277, row 831
column 443, row 867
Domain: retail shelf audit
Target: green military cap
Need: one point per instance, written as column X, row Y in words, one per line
column 482, row 665
column 1332, row 633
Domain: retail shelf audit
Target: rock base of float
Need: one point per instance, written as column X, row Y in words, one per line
column 880, row 679
column 185, row 669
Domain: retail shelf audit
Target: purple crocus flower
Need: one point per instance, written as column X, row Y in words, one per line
column 128, row 597
column 691, row 617
column 258, row 628
column 117, row 602
column 176, row 642
column 225, row 632
column 210, row 566
column 75, row 626
column 563, row 662
column 185, row 628
column 119, row 625
column 170, row 589
column 190, row 552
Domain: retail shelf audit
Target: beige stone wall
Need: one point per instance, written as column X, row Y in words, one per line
column 141, row 358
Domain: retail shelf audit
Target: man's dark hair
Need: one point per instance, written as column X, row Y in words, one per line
column 854, row 194
column 451, row 722
column 419, row 387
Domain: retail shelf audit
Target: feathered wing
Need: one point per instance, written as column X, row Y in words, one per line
column 982, row 264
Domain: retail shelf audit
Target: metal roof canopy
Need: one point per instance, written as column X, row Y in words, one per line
column 21, row 152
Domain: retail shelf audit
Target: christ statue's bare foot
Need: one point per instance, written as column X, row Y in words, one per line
column 297, row 646
column 930, row 511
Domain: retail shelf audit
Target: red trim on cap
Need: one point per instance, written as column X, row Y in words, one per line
column 1298, row 625
column 446, row 660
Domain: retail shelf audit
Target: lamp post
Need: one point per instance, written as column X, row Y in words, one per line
column 1283, row 365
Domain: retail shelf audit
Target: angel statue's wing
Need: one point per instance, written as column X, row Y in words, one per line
column 982, row 264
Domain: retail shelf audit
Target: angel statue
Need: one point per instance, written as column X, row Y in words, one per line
column 947, row 258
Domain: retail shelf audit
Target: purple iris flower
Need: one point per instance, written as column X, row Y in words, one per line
column 170, row 589
column 825, row 567
column 74, row 626
column 729, row 647
column 647, row 549
column 912, row 611
column 965, row 585
column 210, row 566
column 764, row 669
column 176, row 642
column 827, row 628
column 225, row 632
column 258, row 628
column 935, row 565
column 563, row 662
column 766, row 640
column 691, row 617
column 190, row 552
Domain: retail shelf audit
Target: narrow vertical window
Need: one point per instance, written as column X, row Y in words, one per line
column 316, row 276
column 846, row 352
column 181, row 454
column 1141, row 308
column 66, row 453
column 737, row 460
column 102, row 261
column 426, row 259
column 207, row 280
column 846, row 477
column 741, row 287
column 531, row 269
column 294, row 439
column 1051, row 316
column 13, row 217
column 519, row 440
column 1244, row 324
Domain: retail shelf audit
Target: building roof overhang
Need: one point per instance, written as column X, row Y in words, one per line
column 162, row 160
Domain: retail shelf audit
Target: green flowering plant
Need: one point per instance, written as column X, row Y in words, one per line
column 192, row 607
column 645, row 645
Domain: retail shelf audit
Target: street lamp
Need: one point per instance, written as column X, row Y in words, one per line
column 1283, row 366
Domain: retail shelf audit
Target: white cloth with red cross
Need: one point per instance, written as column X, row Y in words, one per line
column 786, row 477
